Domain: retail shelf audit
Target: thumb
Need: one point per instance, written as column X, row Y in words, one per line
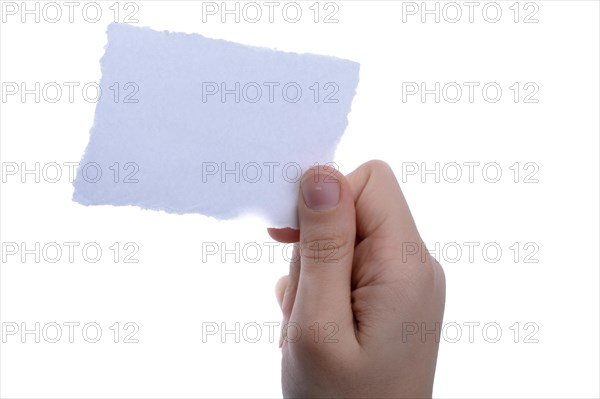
column 327, row 224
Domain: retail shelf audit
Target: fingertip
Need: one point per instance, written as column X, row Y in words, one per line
column 286, row 235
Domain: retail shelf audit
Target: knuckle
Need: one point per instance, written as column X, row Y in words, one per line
column 379, row 167
column 429, row 274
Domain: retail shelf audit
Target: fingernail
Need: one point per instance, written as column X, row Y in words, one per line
column 321, row 191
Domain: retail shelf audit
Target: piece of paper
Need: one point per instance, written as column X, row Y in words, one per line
column 188, row 124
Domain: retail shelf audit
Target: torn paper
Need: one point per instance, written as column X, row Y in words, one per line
column 188, row 124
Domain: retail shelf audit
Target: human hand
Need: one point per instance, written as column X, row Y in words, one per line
column 364, row 293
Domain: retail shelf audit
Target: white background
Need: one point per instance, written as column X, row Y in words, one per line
column 170, row 294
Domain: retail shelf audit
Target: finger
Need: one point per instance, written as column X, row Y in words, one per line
column 287, row 235
column 387, row 236
column 280, row 288
column 327, row 230
column 292, row 285
column 381, row 209
column 289, row 296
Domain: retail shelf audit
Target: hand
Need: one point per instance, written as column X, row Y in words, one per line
column 364, row 297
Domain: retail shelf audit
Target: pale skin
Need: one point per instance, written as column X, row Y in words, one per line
column 365, row 282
